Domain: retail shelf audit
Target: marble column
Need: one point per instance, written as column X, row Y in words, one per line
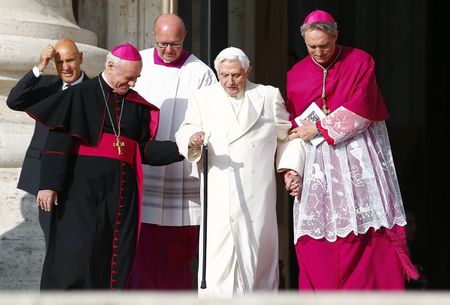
column 26, row 27
column 122, row 21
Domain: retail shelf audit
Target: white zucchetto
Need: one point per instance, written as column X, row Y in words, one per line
column 231, row 52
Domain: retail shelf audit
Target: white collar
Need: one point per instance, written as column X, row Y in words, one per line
column 79, row 80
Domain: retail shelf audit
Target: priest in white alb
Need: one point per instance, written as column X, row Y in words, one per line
column 171, row 205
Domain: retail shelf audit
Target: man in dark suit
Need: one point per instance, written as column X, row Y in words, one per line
column 34, row 87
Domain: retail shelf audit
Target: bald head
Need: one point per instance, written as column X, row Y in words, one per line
column 169, row 33
column 68, row 60
column 169, row 22
column 66, row 44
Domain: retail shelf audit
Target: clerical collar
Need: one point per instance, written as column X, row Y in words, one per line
column 67, row 85
column 104, row 79
column 236, row 103
column 177, row 63
column 110, row 87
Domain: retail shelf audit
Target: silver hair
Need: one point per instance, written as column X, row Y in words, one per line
column 329, row 27
column 245, row 62
column 114, row 59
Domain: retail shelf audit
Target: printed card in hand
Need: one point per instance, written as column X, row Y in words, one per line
column 313, row 113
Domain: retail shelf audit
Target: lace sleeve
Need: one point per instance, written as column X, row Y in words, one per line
column 343, row 124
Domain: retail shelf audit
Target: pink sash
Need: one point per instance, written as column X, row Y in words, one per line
column 130, row 154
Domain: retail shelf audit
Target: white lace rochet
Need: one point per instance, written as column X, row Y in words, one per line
column 349, row 186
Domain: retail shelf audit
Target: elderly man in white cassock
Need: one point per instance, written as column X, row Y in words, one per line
column 246, row 127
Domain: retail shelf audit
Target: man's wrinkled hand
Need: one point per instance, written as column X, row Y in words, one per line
column 293, row 183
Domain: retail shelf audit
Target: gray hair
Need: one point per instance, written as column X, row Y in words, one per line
column 328, row 27
column 245, row 62
column 115, row 60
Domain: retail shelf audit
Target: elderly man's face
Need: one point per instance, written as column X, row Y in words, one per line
column 124, row 76
column 232, row 77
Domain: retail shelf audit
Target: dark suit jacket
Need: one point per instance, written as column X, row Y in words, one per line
column 28, row 91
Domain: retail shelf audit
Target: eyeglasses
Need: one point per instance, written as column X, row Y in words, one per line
column 175, row 44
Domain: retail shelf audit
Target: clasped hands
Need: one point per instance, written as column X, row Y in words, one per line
column 292, row 182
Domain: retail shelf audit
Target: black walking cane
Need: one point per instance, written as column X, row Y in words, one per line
column 205, row 210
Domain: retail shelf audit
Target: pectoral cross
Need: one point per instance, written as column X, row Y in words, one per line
column 119, row 144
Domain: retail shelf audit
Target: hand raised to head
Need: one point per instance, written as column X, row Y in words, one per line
column 47, row 54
